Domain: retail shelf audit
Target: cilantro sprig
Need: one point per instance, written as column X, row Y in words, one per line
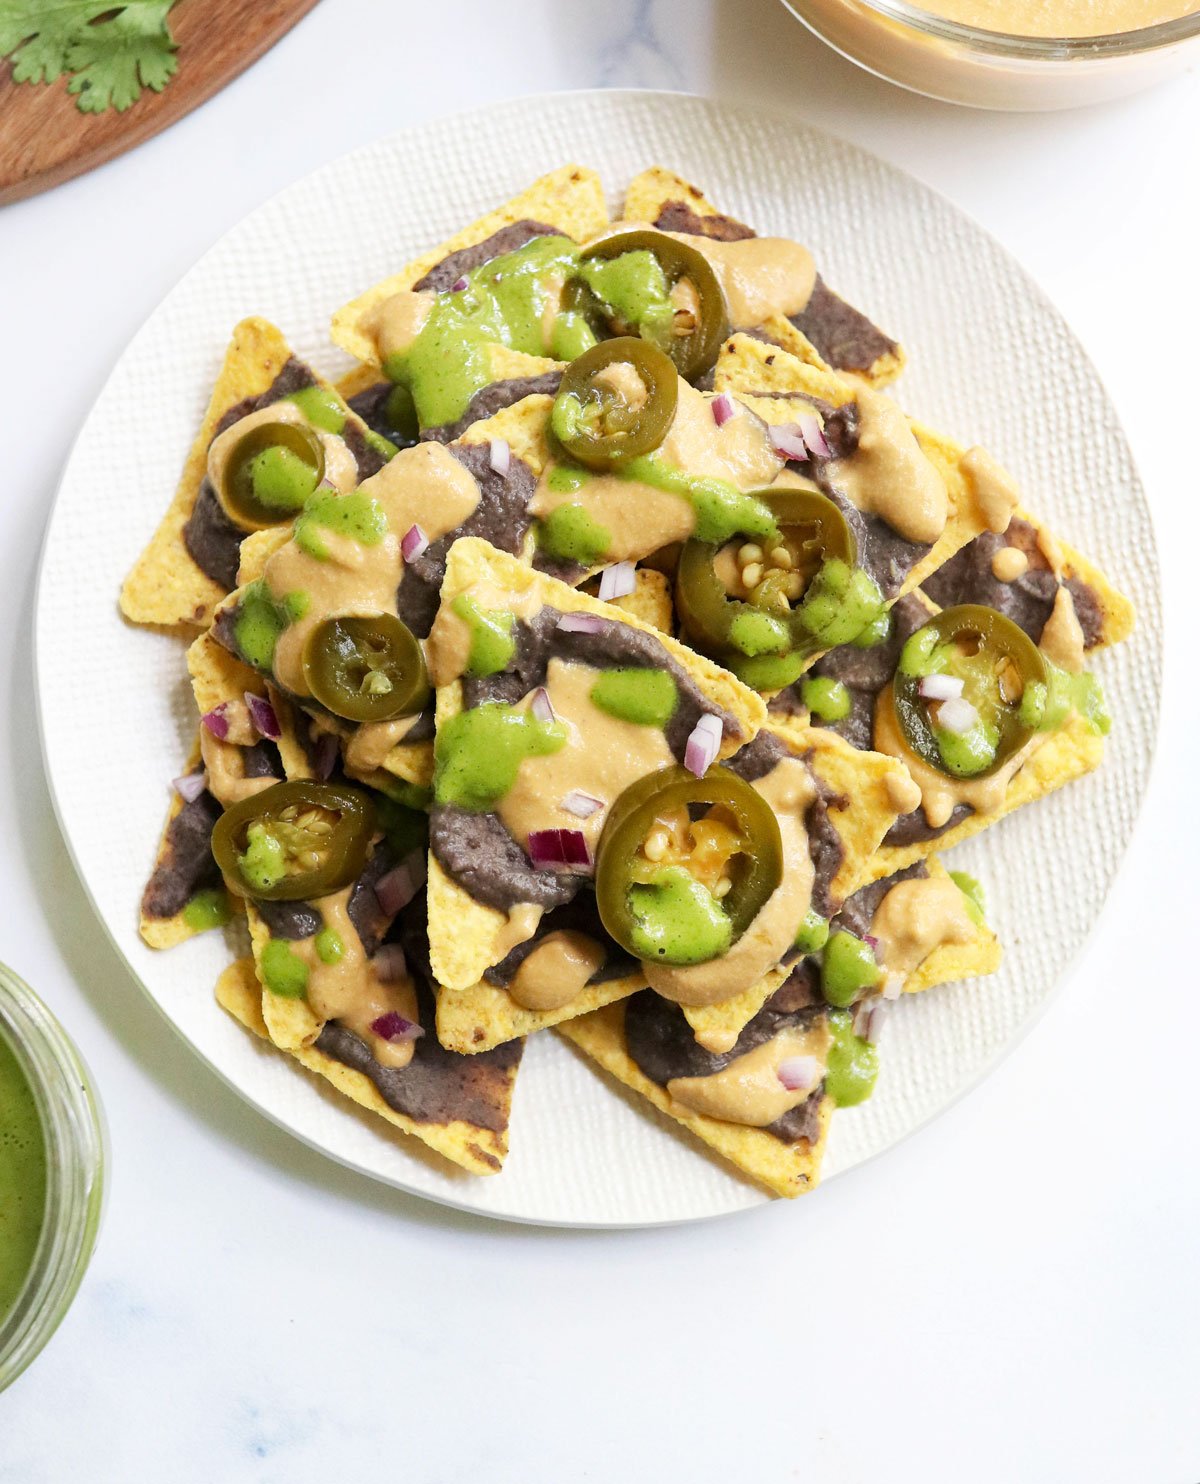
column 109, row 51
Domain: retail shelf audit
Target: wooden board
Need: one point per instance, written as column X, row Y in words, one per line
column 44, row 139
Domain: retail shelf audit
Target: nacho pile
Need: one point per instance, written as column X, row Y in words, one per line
column 609, row 651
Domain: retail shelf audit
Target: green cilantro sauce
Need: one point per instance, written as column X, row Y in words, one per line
column 505, row 302
column 848, row 967
column 258, row 623
column 478, row 752
column 852, row 1065
column 840, row 602
column 878, row 631
column 323, row 408
column 755, row 632
column 207, row 909
column 572, row 535
column 646, row 697
column 284, row 972
column 492, row 642
column 676, row 918
column 355, row 515
column 281, row 480
column 329, row 945
column 813, row 933
column 22, row 1178
column 633, row 288
column 722, row 511
column 973, row 891
column 828, row 700
column 263, row 864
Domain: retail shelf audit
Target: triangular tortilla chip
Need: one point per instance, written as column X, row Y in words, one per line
column 467, row 937
column 569, row 199
column 484, row 1088
column 666, row 200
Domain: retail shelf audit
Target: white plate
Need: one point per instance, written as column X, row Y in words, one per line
column 990, row 362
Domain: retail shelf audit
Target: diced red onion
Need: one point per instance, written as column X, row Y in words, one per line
column 262, row 715
column 397, row 888
column 580, row 804
column 217, row 721
column 957, row 715
column 413, row 543
column 539, row 704
column 500, row 456
column 869, row 1018
column 810, row 430
column 798, row 1073
column 617, row 581
column 389, row 963
column 560, row 848
column 395, row 1027
column 191, row 786
column 722, row 409
column 872, row 943
column 787, row 439
column 940, row 687
column 703, row 745
column 459, row 284
column 893, row 987
column 325, row 755
column 581, row 623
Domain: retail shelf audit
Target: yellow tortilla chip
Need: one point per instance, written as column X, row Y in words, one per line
column 219, row 677
column 786, row 1169
column 467, row 937
column 486, row 1015
column 861, row 811
column 166, row 932
column 746, row 366
column 650, row 601
column 1067, row 754
column 645, row 199
column 570, row 199
column 524, row 426
column 479, row 1150
column 165, row 586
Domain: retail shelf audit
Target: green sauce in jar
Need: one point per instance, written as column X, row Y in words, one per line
column 22, row 1178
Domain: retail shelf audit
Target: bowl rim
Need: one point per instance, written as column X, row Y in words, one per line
column 1030, row 48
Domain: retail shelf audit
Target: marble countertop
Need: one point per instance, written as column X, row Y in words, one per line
column 1009, row 1295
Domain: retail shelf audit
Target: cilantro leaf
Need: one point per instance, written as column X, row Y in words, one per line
column 112, row 51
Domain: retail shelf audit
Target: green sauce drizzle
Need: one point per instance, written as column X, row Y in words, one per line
column 492, row 642
column 281, row 480
column 813, row 933
column 722, row 511
column 973, row 891
column 676, row 918
column 329, row 945
column 632, row 287
column 258, row 625
column 478, row 752
column 828, row 700
column 646, row 697
column 848, row 967
column 853, row 1064
column 355, row 515
column 322, row 407
column 572, row 535
column 263, row 864
column 284, row 972
column 207, row 909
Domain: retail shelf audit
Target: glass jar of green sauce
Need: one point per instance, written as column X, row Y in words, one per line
column 52, row 1151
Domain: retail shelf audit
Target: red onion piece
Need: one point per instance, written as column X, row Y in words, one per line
column 217, row 721
column 703, row 745
column 459, row 284
column 539, row 704
column 262, row 715
column 617, row 581
column 560, row 848
column 397, row 888
column 798, row 1073
column 582, row 623
column 395, row 1027
column 957, row 715
column 580, row 804
column 325, row 755
column 869, row 1017
column 872, row 943
column 500, row 456
column 722, row 409
column 809, row 425
column 893, row 987
column 413, row 543
column 389, row 963
column 787, row 439
column 190, row 786
column 940, row 687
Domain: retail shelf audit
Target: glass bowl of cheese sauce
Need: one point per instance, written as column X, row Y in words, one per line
column 1011, row 54
column 52, row 1154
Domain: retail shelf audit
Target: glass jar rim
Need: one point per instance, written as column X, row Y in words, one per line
column 1032, row 48
column 76, row 1142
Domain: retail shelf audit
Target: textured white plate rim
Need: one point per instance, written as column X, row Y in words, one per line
column 1045, row 306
